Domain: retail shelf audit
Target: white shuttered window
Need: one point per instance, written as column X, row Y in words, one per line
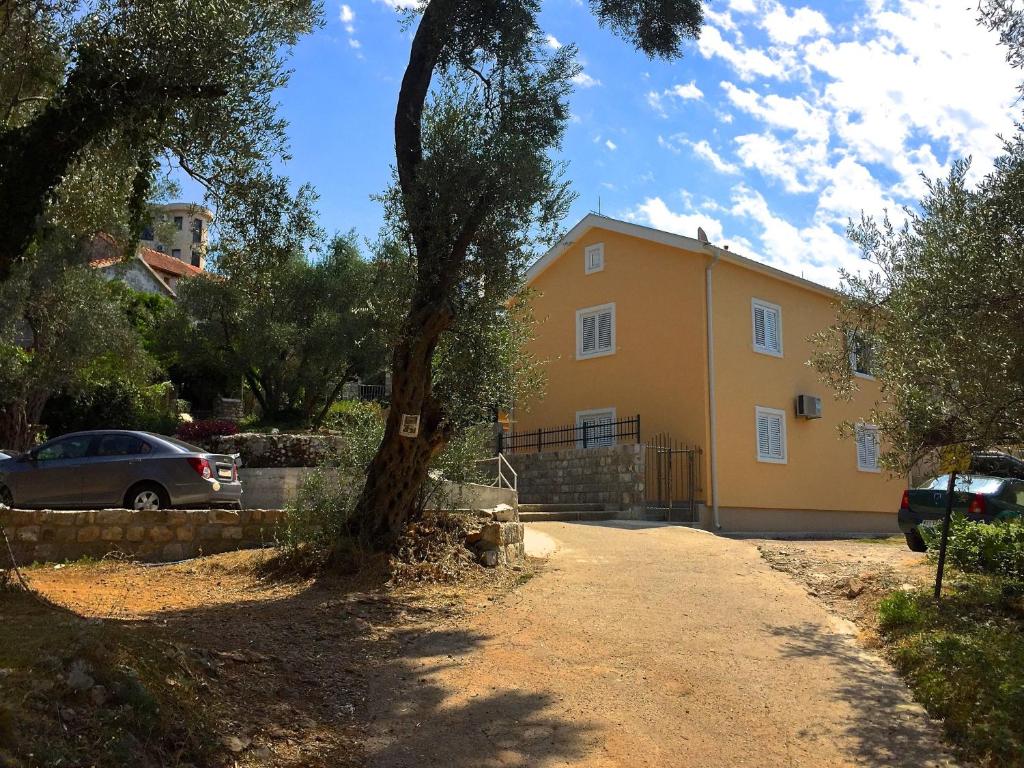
column 771, row 435
column 595, row 331
column 767, row 324
column 593, row 258
column 867, row 448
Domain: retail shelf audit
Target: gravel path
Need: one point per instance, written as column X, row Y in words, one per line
column 646, row 645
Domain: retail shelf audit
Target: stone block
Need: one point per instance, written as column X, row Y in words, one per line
column 233, row 532
column 161, row 534
column 135, row 533
column 177, row 517
column 66, row 535
column 109, row 517
column 88, row 534
column 210, row 532
column 185, row 532
column 173, row 551
column 112, row 533
column 224, row 517
column 29, row 533
column 65, row 518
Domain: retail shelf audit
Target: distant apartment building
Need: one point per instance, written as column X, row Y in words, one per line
column 186, row 226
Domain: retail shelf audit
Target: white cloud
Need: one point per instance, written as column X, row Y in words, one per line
column 743, row 6
column 583, row 80
column 611, row 145
column 346, row 14
column 790, row 28
column 791, row 113
column 354, row 43
column 401, row 5
column 683, row 92
column 704, row 150
column 654, row 212
column 797, row 166
column 552, row 42
column 749, row 63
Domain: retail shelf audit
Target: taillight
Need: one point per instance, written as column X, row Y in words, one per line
column 977, row 505
column 201, row 466
column 905, row 503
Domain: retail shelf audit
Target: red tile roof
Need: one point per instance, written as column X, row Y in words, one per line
column 161, row 262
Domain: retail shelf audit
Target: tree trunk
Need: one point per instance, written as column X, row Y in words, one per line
column 399, row 468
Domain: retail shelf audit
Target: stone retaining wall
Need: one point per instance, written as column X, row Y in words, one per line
column 609, row 475
column 159, row 536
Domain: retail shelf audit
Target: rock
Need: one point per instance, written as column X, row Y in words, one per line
column 236, row 744
column 79, row 678
column 854, row 588
column 489, row 558
column 98, row 694
column 504, row 513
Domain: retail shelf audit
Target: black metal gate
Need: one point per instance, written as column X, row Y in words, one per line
column 671, row 480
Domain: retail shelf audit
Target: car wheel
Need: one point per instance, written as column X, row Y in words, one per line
column 6, row 498
column 146, row 496
column 915, row 542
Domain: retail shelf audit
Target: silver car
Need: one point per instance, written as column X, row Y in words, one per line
column 118, row 468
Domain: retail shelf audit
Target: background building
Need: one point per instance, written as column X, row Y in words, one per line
column 185, row 228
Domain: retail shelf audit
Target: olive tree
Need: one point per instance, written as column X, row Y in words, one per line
column 481, row 109
column 94, row 93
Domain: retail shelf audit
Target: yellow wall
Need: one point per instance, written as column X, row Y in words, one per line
column 659, row 370
column 821, row 470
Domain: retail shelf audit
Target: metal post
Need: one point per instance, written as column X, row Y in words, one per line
column 538, row 439
column 638, row 429
column 945, row 534
column 501, row 441
column 585, row 434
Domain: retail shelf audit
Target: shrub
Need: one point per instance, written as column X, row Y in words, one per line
column 900, row 610
column 996, row 548
column 113, row 405
column 327, row 496
column 198, row 431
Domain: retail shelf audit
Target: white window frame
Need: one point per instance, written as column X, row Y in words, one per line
column 859, row 431
column 595, row 412
column 586, row 311
column 760, row 411
column 589, row 266
column 769, row 307
column 853, row 356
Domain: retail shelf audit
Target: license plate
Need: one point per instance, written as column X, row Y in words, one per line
column 224, row 473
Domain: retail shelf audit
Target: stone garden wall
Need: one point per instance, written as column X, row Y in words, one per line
column 158, row 536
column 612, row 476
column 260, row 450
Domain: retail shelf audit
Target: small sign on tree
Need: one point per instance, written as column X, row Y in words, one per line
column 410, row 425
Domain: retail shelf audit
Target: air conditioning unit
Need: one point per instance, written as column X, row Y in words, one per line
column 808, row 407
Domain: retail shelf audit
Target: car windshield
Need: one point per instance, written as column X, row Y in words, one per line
column 984, row 485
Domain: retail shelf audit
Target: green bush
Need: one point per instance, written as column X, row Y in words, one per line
column 113, row 405
column 995, row 548
column 327, row 496
column 900, row 610
column 963, row 658
column 322, row 512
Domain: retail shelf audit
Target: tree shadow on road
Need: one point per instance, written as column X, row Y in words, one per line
column 887, row 727
column 419, row 725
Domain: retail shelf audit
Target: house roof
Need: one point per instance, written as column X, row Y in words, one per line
column 161, row 262
column 597, row 221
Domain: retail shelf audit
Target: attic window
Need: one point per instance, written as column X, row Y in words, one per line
column 593, row 258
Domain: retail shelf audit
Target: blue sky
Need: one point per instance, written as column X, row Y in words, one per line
column 779, row 124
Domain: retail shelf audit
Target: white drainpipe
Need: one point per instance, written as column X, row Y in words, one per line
column 712, row 411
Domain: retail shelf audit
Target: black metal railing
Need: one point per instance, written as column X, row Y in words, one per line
column 582, row 436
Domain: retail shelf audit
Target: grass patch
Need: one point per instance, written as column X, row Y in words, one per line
column 77, row 692
column 964, row 659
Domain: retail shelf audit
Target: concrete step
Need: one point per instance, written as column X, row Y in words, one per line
column 561, row 507
column 567, row 515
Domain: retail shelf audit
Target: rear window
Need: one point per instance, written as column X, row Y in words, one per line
column 985, row 485
column 188, row 447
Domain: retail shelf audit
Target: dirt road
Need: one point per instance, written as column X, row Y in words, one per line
column 646, row 645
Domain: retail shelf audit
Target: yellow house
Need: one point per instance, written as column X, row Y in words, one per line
column 710, row 348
